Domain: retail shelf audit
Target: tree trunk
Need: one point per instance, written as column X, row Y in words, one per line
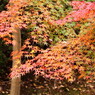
column 15, row 82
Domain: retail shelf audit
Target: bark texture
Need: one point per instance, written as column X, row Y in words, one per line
column 15, row 82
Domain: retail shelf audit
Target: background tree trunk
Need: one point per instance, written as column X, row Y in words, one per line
column 15, row 82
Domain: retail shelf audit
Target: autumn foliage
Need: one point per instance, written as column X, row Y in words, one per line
column 72, row 57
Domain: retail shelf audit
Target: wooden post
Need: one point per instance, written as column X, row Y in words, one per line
column 15, row 82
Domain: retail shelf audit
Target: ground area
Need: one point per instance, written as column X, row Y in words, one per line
column 40, row 86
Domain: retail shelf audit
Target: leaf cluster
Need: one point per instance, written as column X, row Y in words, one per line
column 72, row 59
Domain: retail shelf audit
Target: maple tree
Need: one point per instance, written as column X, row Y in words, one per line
column 77, row 54
column 10, row 24
column 71, row 59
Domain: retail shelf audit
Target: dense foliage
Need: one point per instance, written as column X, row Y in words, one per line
column 73, row 58
column 58, row 38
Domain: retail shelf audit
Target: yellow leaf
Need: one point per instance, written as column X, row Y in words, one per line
column 32, row 51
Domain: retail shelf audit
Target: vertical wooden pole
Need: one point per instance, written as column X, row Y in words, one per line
column 15, row 82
